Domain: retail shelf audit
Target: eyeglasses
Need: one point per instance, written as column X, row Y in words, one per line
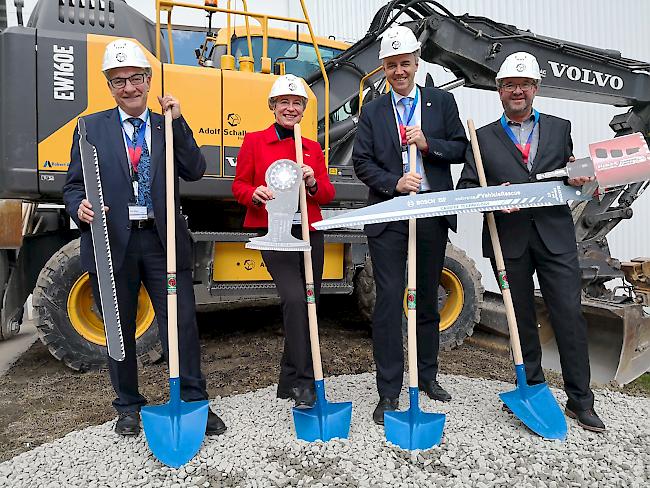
column 525, row 86
column 135, row 80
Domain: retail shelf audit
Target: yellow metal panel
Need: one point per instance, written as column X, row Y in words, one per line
column 333, row 265
column 233, row 262
column 198, row 90
column 54, row 151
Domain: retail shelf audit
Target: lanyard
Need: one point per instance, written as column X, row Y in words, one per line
column 135, row 148
column 525, row 150
column 402, row 125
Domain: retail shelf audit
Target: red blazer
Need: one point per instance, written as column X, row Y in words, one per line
column 258, row 151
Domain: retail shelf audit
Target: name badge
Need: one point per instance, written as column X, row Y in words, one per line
column 296, row 218
column 137, row 212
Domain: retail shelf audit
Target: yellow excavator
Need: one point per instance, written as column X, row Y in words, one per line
column 222, row 76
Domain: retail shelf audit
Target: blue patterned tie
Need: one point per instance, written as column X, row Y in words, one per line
column 144, row 166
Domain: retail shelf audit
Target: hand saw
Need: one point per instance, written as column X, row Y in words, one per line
column 101, row 246
column 435, row 204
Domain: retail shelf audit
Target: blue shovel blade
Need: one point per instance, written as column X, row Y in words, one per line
column 414, row 429
column 536, row 407
column 323, row 421
column 175, row 430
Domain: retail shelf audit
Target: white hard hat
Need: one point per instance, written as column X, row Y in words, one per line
column 398, row 40
column 519, row 65
column 123, row 52
column 288, row 85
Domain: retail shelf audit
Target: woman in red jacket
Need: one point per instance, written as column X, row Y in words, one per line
column 287, row 100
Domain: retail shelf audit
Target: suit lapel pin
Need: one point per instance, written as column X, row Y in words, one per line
column 428, row 104
column 159, row 127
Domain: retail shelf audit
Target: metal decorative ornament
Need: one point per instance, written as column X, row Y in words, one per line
column 283, row 178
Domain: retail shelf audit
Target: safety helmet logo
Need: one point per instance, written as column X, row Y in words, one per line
column 521, row 67
column 396, row 44
column 292, row 86
column 120, row 57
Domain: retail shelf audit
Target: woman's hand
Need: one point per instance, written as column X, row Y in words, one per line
column 308, row 175
column 261, row 195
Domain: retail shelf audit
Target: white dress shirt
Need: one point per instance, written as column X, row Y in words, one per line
column 416, row 120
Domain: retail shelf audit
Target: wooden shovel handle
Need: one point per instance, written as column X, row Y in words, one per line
column 411, row 314
column 172, row 303
column 498, row 255
column 309, row 272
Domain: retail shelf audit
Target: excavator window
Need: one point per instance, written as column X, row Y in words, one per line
column 186, row 40
column 302, row 65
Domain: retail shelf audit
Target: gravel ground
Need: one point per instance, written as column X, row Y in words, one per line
column 483, row 447
column 41, row 400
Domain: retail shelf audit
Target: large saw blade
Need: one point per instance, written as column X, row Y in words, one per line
column 101, row 246
column 451, row 202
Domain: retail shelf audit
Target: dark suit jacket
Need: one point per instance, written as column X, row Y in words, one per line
column 105, row 133
column 377, row 151
column 503, row 162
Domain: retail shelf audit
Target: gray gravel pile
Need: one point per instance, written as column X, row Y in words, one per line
column 483, row 447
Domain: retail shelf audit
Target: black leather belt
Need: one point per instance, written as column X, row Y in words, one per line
column 143, row 224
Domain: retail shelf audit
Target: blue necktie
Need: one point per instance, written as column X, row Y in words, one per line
column 406, row 108
column 144, row 166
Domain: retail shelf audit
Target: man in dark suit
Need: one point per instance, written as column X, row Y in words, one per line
column 130, row 143
column 514, row 149
column 428, row 118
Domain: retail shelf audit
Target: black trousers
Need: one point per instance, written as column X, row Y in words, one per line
column 560, row 283
column 288, row 271
column 145, row 262
column 388, row 253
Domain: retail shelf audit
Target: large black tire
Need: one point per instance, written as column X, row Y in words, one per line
column 68, row 321
column 460, row 296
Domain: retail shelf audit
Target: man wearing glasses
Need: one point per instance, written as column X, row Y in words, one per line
column 130, row 143
column 521, row 144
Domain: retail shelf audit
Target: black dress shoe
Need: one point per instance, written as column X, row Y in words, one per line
column 284, row 392
column 215, row 425
column 587, row 419
column 434, row 391
column 304, row 397
column 385, row 405
column 128, row 423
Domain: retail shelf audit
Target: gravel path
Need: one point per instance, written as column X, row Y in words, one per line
column 483, row 447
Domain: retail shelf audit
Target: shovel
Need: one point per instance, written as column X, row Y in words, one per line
column 534, row 405
column 325, row 420
column 413, row 429
column 175, row 430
